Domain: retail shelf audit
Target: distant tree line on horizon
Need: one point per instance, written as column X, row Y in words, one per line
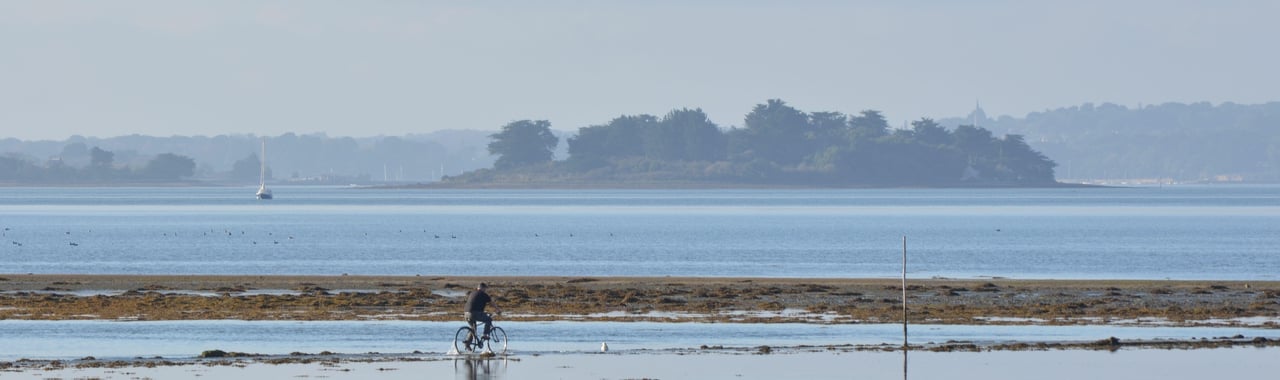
column 1170, row 141
column 1182, row 142
column 234, row 159
column 101, row 168
column 778, row 144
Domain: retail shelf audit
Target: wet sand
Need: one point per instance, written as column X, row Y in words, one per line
column 762, row 300
column 752, row 300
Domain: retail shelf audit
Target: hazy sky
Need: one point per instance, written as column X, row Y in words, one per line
column 364, row 68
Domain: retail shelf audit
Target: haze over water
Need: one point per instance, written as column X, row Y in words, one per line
column 1183, row 232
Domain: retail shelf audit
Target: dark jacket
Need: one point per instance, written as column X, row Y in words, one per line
column 477, row 301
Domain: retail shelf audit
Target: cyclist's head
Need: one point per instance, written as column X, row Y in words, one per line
column 482, row 286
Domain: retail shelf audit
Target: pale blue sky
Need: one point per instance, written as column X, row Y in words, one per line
column 364, row 68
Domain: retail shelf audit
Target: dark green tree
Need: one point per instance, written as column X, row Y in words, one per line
column 828, row 129
column 595, row 145
column 168, row 166
column 870, row 124
column 99, row 158
column 690, row 136
column 1021, row 164
column 624, row 137
column 75, row 154
column 775, row 132
column 828, row 124
column 978, row 146
column 102, row 165
column 929, row 132
column 522, row 143
column 247, row 169
column 14, row 168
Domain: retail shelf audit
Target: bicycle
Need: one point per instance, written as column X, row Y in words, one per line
column 466, row 340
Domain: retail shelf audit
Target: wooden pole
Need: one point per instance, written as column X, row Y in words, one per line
column 904, row 307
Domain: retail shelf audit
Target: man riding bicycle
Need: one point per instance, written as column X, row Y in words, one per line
column 475, row 309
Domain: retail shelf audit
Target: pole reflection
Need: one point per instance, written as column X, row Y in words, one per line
column 904, row 363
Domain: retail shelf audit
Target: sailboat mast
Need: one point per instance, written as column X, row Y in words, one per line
column 263, row 192
column 262, row 174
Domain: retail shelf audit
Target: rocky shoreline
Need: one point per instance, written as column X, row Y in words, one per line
column 749, row 300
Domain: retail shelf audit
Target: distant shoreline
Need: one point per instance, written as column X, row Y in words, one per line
column 115, row 184
column 551, row 186
column 702, row 186
column 597, row 185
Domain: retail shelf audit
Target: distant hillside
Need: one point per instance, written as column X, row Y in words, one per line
column 313, row 158
column 1171, row 141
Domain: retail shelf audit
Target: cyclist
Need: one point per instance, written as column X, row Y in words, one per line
column 475, row 309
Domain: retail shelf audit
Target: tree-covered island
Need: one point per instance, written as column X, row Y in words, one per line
column 778, row 145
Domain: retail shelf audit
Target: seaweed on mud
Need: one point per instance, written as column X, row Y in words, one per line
column 946, row 302
column 208, row 354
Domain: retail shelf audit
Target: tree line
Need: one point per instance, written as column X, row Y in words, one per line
column 1172, row 141
column 234, row 159
column 777, row 144
column 101, row 168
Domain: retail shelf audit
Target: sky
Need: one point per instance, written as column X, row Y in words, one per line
column 395, row 67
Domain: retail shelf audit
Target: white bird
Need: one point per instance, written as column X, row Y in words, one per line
column 604, row 347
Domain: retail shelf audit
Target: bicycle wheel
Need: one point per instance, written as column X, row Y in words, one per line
column 464, row 340
column 498, row 340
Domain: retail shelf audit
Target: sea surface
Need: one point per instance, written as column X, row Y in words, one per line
column 1171, row 232
column 186, row 339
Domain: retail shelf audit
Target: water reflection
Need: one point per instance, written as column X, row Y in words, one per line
column 479, row 368
column 904, row 363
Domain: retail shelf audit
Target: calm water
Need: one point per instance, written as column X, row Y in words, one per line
column 1237, row 363
column 185, row 339
column 1183, row 232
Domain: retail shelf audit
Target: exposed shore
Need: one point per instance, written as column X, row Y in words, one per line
column 710, row 185
column 760, row 300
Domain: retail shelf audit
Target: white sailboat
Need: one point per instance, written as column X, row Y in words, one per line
column 263, row 191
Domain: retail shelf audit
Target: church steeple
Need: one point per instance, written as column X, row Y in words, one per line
column 978, row 114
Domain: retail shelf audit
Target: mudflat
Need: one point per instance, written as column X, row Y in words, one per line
column 752, row 300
